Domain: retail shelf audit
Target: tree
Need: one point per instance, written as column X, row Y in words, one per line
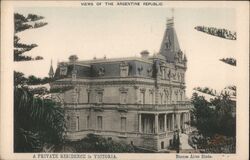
column 212, row 122
column 37, row 121
column 95, row 143
column 224, row 109
column 176, row 141
column 23, row 23
column 230, row 61
column 204, row 117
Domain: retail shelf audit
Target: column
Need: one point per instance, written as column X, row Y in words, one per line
column 165, row 122
column 189, row 121
column 156, row 123
column 178, row 121
column 173, row 122
column 139, row 127
column 184, row 121
column 168, row 123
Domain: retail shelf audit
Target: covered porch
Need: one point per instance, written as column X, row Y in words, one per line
column 162, row 122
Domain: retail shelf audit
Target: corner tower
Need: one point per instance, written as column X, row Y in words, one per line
column 51, row 71
column 170, row 45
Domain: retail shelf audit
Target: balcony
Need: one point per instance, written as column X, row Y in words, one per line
column 122, row 108
column 159, row 107
column 97, row 107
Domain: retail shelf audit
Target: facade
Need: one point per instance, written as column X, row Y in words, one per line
column 137, row 100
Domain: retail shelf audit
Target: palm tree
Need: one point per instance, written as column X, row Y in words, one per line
column 37, row 121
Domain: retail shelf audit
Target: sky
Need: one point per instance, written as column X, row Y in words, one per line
column 125, row 32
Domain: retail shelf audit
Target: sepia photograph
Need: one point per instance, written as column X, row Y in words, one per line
column 126, row 77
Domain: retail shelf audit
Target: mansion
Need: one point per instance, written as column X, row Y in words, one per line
column 136, row 100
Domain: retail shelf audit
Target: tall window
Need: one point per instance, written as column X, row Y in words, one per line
column 88, row 96
column 123, row 98
column 88, row 126
column 142, row 97
column 163, row 74
column 176, row 96
column 123, row 124
column 99, row 122
column 99, row 97
column 77, row 123
column 161, row 98
column 181, row 96
column 151, row 94
column 166, row 98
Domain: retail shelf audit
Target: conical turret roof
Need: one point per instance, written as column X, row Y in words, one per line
column 51, row 71
column 170, row 44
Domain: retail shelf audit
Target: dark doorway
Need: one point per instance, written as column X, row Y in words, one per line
column 162, row 145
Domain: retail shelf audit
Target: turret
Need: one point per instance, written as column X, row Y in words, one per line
column 185, row 59
column 170, row 45
column 51, row 71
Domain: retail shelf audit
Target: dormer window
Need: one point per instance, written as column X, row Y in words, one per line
column 168, row 42
column 149, row 70
column 101, row 71
column 124, row 69
column 74, row 72
column 140, row 70
column 63, row 70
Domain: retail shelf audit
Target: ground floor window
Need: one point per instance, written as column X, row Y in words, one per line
column 123, row 124
column 77, row 123
column 88, row 126
column 99, row 122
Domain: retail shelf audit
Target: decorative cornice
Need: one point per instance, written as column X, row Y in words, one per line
column 99, row 89
column 122, row 89
column 142, row 90
column 151, row 90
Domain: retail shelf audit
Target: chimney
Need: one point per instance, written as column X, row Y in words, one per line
column 144, row 54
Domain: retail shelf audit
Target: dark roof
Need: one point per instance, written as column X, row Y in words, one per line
column 144, row 66
column 51, row 71
column 109, row 68
column 170, row 44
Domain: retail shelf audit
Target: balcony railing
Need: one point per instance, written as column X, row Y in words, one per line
column 179, row 105
column 175, row 106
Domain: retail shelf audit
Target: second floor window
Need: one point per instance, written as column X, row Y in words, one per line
column 88, row 98
column 123, row 98
column 142, row 97
column 151, row 97
column 99, row 97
